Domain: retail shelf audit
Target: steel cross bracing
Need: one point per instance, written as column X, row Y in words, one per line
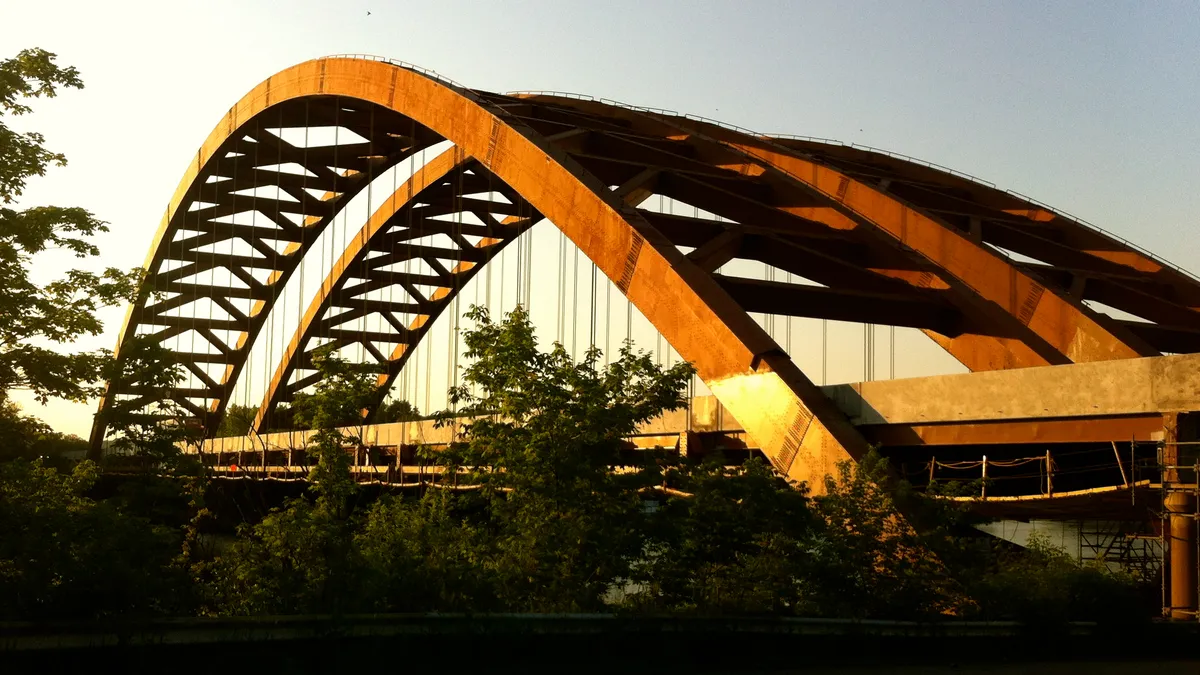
column 245, row 215
column 1070, row 257
column 373, row 277
column 873, row 238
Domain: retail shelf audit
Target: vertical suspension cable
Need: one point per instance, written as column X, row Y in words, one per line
column 788, row 323
column 518, row 247
column 452, row 376
column 593, row 326
column 607, row 320
column 363, row 252
column 402, row 374
column 575, row 305
column 824, row 351
column 892, row 357
column 562, row 294
column 331, row 229
column 528, row 208
column 501, row 255
column 865, row 351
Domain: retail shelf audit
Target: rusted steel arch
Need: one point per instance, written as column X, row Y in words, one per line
column 1071, row 256
column 1016, row 320
column 431, row 202
column 249, row 206
column 802, row 433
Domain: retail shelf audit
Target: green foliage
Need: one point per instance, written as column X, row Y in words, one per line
column 423, row 555
column 300, row 557
column 546, row 434
column 152, row 426
column 31, row 74
column 343, row 393
column 26, row 437
column 530, row 515
column 19, row 432
column 237, row 420
column 34, row 318
column 1043, row 585
column 736, row 545
column 396, row 410
column 65, row 556
column 287, row 564
column 867, row 559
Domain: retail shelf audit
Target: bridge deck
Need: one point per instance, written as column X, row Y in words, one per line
column 1095, row 403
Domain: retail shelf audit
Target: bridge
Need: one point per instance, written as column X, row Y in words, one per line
column 1078, row 349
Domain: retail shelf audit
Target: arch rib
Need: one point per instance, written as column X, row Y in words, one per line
column 1029, row 324
column 801, row 432
column 194, row 268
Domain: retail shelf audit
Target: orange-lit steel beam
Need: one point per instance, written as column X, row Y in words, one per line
column 1006, row 343
column 1038, row 326
column 941, row 191
column 1066, row 325
column 198, row 226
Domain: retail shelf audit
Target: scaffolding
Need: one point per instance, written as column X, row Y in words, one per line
column 1135, row 547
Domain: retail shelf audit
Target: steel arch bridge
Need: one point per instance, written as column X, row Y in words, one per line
column 997, row 280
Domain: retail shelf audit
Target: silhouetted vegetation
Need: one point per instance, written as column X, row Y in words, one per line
column 529, row 516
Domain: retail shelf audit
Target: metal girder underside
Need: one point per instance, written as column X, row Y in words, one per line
column 875, row 239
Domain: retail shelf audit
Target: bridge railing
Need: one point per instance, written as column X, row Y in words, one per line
column 431, row 74
column 1107, row 233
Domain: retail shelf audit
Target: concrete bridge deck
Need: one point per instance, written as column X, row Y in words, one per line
column 1099, row 403
column 1120, row 400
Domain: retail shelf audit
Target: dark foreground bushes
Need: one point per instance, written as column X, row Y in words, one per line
column 530, row 517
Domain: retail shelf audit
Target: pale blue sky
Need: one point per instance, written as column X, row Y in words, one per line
column 1091, row 107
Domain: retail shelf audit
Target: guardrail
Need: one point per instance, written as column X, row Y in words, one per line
column 431, row 74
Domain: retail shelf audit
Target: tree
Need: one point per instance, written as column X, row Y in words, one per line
column 867, row 560
column 545, row 437
column 66, row 556
column 300, row 558
column 424, row 554
column 33, row 316
column 396, row 410
column 339, row 398
column 237, row 421
column 736, row 544
column 152, row 426
column 1044, row 586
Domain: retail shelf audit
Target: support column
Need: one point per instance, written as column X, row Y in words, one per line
column 1181, row 522
column 1182, row 565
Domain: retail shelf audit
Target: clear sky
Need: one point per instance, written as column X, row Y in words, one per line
column 1093, row 107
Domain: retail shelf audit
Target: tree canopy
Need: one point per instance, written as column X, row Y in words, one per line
column 37, row 319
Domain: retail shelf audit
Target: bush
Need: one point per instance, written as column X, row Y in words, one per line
column 65, row 556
